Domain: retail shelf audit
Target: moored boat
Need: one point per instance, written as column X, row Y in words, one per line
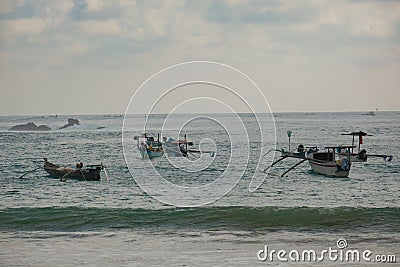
column 148, row 147
column 176, row 148
column 89, row 173
column 327, row 163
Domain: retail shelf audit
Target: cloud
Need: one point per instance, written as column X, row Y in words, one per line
column 109, row 27
column 33, row 26
column 380, row 19
column 294, row 37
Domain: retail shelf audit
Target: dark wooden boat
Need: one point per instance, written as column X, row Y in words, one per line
column 90, row 173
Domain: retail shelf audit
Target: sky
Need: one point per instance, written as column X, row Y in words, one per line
column 90, row 56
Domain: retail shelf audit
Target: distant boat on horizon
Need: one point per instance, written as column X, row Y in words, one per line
column 371, row 113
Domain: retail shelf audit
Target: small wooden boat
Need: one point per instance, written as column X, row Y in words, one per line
column 90, row 173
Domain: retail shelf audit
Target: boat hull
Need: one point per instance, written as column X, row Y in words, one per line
column 328, row 169
column 150, row 154
column 172, row 150
column 91, row 174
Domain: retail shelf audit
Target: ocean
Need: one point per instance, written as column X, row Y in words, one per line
column 47, row 222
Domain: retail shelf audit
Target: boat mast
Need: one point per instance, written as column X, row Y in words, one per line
column 289, row 134
column 186, row 144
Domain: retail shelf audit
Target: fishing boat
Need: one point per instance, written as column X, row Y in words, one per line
column 148, row 147
column 327, row 162
column 334, row 161
column 89, row 173
column 151, row 148
column 361, row 154
column 176, row 148
column 371, row 113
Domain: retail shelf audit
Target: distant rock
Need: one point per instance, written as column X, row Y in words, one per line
column 30, row 127
column 71, row 122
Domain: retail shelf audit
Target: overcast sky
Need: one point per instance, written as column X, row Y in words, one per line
column 89, row 56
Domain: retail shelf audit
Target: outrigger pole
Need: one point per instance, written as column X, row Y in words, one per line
column 30, row 172
column 270, row 166
column 390, row 157
column 294, row 166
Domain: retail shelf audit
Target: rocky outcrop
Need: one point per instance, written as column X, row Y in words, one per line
column 71, row 122
column 30, row 127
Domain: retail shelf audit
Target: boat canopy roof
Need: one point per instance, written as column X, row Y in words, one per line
column 181, row 142
column 332, row 147
column 360, row 133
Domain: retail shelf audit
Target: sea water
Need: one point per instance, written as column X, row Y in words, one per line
column 46, row 222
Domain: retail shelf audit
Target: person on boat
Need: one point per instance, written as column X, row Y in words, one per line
column 183, row 150
column 301, row 150
column 79, row 165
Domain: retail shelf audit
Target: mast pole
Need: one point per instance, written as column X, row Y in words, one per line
column 289, row 134
column 186, row 144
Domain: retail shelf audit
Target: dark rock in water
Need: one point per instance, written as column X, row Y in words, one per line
column 71, row 122
column 43, row 128
column 30, row 127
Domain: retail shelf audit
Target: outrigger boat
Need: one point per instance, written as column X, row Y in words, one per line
column 177, row 148
column 324, row 162
column 148, row 147
column 335, row 161
column 89, row 173
column 361, row 154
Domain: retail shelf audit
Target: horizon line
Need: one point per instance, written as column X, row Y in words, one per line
column 123, row 114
